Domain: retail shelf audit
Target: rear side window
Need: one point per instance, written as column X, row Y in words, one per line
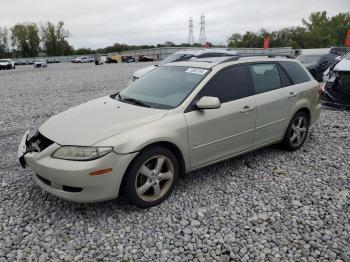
column 295, row 71
column 265, row 77
column 285, row 80
column 229, row 84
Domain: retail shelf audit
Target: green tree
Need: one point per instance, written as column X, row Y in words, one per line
column 54, row 38
column 84, row 51
column 25, row 39
column 340, row 23
column 4, row 42
column 317, row 31
column 234, row 40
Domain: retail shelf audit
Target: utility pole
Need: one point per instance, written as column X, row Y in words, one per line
column 202, row 34
column 190, row 32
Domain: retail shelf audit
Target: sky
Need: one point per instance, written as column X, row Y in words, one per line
column 99, row 23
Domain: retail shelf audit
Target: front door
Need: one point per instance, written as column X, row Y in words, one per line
column 218, row 133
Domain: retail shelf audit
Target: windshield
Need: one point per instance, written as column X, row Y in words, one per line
column 175, row 57
column 165, row 87
column 307, row 59
column 39, row 60
column 4, row 60
column 347, row 56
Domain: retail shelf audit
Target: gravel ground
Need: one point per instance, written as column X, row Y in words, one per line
column 267, row 205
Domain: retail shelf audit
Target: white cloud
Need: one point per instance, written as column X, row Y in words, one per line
column 98, row 23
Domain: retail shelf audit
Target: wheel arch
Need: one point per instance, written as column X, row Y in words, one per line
column 306, row 111
column 171, row 146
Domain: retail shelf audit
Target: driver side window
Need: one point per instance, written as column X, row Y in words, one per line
column 228, row 84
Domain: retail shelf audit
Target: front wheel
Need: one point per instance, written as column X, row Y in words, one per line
column 151, row 177
column 297, row 131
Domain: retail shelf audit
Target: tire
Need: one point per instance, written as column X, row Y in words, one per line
column 297, row 131
column 146, row 185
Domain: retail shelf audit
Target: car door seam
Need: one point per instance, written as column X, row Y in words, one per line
column 272, row 123
column 222, row 139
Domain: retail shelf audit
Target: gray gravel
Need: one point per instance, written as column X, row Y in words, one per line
column 267, row 205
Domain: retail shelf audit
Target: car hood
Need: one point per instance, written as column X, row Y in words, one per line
column 310, row 65
column 144, row 71
column 5, row 63
column 96, row 120
column 343, row 65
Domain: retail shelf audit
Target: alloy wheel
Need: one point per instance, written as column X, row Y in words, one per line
column 154, row 178
column 299, row 130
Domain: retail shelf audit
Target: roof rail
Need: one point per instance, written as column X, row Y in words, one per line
column 237, row 57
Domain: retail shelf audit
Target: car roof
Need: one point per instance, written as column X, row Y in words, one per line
column 197, row 52
column 211, row 62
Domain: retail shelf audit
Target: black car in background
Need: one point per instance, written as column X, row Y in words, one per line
column 143, row 58
column 340, row 50
column 317, row 64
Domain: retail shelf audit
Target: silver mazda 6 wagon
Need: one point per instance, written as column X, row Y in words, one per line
column 180, row 117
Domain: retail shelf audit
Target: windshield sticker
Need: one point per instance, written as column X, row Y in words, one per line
column 197, row 71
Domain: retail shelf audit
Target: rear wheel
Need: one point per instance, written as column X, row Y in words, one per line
column 151, row 177
column 297, row 131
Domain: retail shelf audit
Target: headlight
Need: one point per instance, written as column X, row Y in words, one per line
column 81, row 153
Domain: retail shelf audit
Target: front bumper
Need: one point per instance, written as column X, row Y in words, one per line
column 71, row 180
column 9, row 66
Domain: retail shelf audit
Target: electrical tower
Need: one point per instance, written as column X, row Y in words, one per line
column 202, row 35
column 190, row 32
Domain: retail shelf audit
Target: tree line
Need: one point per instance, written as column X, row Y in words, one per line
column 31, row 39
column 318, row 31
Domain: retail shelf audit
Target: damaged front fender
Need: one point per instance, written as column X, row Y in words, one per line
column 336, row 90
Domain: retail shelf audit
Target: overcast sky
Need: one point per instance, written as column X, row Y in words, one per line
column 98, row 23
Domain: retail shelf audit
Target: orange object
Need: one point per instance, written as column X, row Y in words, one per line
column 101, row 172
column 266, row 42
column 347, row 39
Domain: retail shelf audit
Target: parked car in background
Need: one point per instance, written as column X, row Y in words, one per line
column 100, row 59
column 317, row 64
column 144, row 58
column 114, row 59
column 22, row 62
column 7, row 64
column 336, row 90
column 340, row 50
column 54, row 61
column 83, row 59
column 40, row 63
column 178, row 118
column 185, row 55
column 128, row 59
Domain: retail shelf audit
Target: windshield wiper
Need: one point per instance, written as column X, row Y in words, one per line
column 133, row 101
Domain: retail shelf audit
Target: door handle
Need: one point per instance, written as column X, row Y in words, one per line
column 246, row 109
column 292, row 95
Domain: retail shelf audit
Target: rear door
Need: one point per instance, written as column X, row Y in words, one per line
column 218, row 133
column 275, row 98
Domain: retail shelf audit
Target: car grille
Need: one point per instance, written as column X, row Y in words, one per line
column 38, row 143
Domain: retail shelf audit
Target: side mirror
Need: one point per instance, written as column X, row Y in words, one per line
column 208, row 102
